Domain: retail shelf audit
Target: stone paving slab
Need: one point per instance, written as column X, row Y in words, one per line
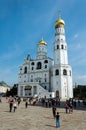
column 39, row 118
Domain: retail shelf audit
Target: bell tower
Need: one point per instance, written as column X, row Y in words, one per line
column 60, row 45
column 61, row 79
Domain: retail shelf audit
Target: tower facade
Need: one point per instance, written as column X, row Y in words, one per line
column 61, row 78
column 42, row 49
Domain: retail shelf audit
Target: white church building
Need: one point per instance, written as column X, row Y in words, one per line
column 46, row 76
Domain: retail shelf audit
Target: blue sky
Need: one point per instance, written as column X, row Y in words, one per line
column 22, row 24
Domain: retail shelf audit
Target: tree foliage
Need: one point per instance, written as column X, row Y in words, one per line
column 12, row 91
column 80, row 92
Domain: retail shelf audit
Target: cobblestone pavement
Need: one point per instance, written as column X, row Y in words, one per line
column 39, row 118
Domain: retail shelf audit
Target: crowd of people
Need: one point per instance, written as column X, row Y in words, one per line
column 53, row 103
column 50, row 102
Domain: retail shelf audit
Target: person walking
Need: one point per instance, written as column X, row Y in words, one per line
column 54, row 111
column 26, row 104
column 11, row 104
column 66, row 107
column 57, row 120
column 19, row 100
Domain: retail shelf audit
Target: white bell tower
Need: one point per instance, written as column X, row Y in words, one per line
column 60, row 45
column 62, row 72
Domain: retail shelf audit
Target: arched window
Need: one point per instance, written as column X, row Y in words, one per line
column 70, row 72
column 20, row 68
column 45, row 66
column 32, row 68
column 57, row 72
column 45, row 80
column 39, row 65
column 64, row 72
column 62, row 47
column 32, row 63
column 46, row 61
column 25, row 70
column 45, row 87
column 31, row 78
column 57, row 46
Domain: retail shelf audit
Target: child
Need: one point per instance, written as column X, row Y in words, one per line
column 57, row 120
column 14, row 106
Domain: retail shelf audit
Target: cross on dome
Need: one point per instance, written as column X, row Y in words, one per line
column 59, row 22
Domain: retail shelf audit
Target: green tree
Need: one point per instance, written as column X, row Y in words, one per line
column 80, row 92
column 12, row 91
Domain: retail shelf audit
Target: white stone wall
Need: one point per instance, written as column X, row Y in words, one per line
column 42, row 51
column 3, row 89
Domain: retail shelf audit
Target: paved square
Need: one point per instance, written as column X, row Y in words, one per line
column 39, row 118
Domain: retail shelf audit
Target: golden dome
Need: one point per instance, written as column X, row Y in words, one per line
column 42, row 42
column 59, row 23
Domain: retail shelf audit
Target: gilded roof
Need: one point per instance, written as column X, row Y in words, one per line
column 59, row 22
column 42, row 42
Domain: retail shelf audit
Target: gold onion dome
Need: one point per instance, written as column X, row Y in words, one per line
column 42, row 42
column 59, row 23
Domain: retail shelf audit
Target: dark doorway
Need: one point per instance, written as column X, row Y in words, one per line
column 57, row 93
